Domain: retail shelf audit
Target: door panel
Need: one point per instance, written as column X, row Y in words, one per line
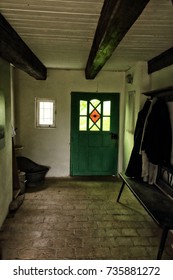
column 94, row 133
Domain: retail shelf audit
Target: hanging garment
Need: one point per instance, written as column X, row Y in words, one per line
column 134, row 167
column 153, row 101
column 157, row 140
column 149, row 170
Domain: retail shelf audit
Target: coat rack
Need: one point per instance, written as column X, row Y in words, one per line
column 165, row 93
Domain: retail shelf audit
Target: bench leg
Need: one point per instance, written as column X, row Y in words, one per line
column 162, row 243
column 120, row 192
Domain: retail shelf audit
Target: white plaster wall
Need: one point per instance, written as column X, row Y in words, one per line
column 6, row 151
column 140, row 84
column 162, row 78
column 52, row 146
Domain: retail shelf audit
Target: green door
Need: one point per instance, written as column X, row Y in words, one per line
column 94, row 133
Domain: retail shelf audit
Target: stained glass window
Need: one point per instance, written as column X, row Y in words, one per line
column 83, row 107
column 106, row 123
column 94, row 103
column 94, row 115
column 83, row 123
column 106, row 108
column 83, row 115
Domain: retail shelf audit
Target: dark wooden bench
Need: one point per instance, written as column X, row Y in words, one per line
column 158, row 205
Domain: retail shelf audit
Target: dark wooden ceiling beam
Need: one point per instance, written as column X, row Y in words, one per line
column 14, row 50
column 163, row 60
column 117, row 16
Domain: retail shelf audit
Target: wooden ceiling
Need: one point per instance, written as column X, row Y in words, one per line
column 61, row 32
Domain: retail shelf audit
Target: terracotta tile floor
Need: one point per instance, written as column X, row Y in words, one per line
column 80, row 219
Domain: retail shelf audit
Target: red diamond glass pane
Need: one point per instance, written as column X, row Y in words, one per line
column 94, row 116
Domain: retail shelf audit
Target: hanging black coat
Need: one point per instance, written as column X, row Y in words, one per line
column 157, row 141
column 134, row 167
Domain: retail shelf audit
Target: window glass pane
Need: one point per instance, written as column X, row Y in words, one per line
column 51, row 105
column 95, row 102
column 83, row 107
column 46, row 114
column 46, row 121
column 90, row 123
column 41, row 105
column 94, row 128
column 99, row 108
column 83, row 123
column 46, row 118
column 98, row 124
column 106, row 108
column 41, row 114
column 91, row 108
column 46, row 105
column 106, row 123
column 94, row 116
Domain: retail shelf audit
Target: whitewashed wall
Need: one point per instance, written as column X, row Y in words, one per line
column 52, row 146
column 162, row 78
column 139, row 84
column 6, row 151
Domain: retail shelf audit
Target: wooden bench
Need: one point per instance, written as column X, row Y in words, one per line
column 158, row 205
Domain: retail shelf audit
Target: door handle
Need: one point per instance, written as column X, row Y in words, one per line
column 114, row 136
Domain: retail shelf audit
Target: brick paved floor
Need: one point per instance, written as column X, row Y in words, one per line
column 80, row 219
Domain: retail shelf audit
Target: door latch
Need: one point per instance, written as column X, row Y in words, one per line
column 114, row 136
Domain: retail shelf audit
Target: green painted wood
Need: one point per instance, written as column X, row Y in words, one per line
column 94, row 152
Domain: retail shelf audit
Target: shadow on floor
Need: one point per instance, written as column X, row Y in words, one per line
column 79, row 218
